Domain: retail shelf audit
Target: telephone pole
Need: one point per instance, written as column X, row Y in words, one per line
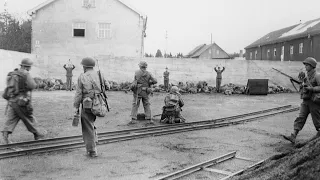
column 165, row 53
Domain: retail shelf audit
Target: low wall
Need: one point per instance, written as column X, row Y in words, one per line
column 122, row 69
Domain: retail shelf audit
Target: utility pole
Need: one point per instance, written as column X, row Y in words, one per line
column 166, row 43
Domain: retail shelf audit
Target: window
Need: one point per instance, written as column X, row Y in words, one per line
column 268, row 52
column 291, row 50
column 256, row 54
column 218, row 52
column 250, row 55
column 275, row 52
column 301, row 48
column 104, row 30
column 89, row 3
column 79, row 29
column 209, row 51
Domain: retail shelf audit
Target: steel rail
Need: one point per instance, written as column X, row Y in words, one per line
column 198, row 167
column 133, row 130
column 135, row 136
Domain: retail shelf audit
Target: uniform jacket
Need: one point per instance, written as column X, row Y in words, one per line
column 167, row 99
column 166, row 75
column 219, row 72
column 144, row 78
column 85, row 87
column 29, row 84
column 69, row 69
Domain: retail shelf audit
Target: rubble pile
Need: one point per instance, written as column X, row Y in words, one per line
column 302, row 163
column 51, row 84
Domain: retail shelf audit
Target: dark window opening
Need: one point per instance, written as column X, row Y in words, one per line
column 78, row 32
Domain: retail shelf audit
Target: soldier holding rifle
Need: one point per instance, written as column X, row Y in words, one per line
column 141, row 91
column 84, row 93
column 310, row 85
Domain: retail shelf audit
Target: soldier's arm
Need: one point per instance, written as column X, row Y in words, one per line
column 31, row 83
column 153, row 80
column 223, row 69
column 64, row 66
column 215, row 69
column 181, row 102
column 78, row 95
column 316, row 89
column 73, row 66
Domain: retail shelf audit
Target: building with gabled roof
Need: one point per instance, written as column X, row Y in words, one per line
column 293, row 43
column 211, row 51
column 87, row 27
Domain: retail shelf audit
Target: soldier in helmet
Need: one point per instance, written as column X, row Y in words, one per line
column 172, row 109
column 141, row 90
column 307, row 107
column 69, row 68
column 84, row 93
column 18, row 94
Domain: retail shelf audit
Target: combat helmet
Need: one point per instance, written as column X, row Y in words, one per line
column 88, row 62
column 311, row 61
column 174, row 89
column 26, row 62
column 143, row 64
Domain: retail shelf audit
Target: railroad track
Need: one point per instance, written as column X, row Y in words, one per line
column 71, row 142
column 209, row 166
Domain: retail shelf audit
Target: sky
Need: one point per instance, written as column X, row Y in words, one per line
column 233, row 24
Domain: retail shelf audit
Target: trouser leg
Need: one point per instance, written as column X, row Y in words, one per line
column 88, row 130
column 218, row 84
column 68, row 83
column 146, row 106
column 26, row 116
column 135, row 106
column 302, row 117
column 315, row 114
column 12, row 120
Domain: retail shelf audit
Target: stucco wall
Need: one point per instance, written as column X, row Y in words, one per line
column 122, row 69
column 52, row 29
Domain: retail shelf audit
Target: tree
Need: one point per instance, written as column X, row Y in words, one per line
column 15, row 35
column 158, row 54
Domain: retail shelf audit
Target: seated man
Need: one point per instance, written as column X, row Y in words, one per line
column 172, row 110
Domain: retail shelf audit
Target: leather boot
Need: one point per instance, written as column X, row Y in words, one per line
column 5, row 135
column 291, row 138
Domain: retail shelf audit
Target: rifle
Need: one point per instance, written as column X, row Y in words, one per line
column 103, row 86
column 292, row 80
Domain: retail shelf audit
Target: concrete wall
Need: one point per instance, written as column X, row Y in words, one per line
column 52, row 29
column 122, row 69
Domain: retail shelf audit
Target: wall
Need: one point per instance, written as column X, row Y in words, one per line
column 122, row 69
column 53, row 30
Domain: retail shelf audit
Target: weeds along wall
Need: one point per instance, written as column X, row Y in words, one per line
column 121, row 69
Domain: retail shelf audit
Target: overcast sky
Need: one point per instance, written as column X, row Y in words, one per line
column 234, row 24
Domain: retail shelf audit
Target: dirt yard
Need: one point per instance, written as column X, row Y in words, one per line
column 152, row 157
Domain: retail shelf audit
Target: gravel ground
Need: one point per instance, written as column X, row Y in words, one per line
column 153, row 157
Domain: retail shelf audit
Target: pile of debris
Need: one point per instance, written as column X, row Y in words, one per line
column 51, row 84
column 302, row 163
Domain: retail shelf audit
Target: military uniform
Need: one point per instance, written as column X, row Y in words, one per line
column 19, row 104
column 311, row 84
column 166, row 79
column 219, row 78
column 173, row 104
column 69, row 76
column 142, row 80
column 85, row 89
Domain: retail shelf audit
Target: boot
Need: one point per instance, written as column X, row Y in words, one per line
column 5, row 135
column 291, row 138
column 38, row 136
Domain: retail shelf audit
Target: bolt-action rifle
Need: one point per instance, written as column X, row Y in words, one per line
column 103, row 86
column 292, row 80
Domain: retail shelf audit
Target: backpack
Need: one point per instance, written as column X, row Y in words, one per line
column 15, row 84
column 99, row 105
